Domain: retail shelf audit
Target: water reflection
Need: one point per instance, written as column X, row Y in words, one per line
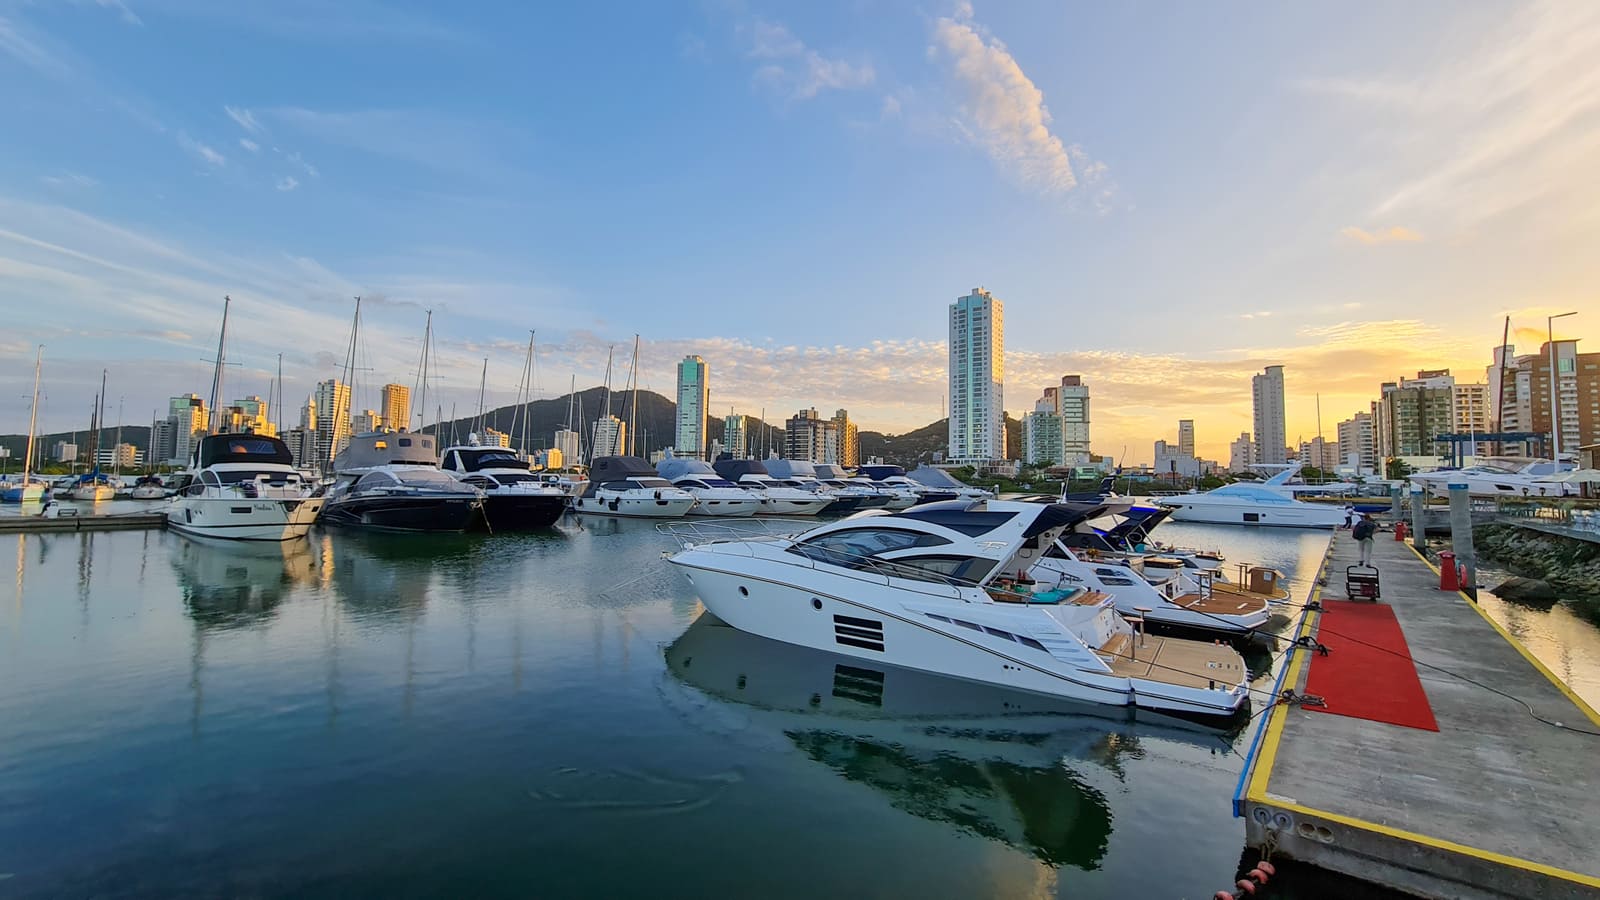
column 989, row 761
column 237, row 584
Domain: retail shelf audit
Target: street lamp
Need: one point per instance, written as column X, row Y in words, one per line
column 1555, row 402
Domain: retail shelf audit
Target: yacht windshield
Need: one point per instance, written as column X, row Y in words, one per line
column 717, row 482
column 235, row 477
column 423, row 477
column 651, row 482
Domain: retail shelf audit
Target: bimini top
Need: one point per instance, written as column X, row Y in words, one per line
column 479, row 458
column 936, row 478
column 387, row 448
column 879, row 473
column 255, row 449
column 619, row 468
column 677, row 467
column 790, row 468
column 733, row 469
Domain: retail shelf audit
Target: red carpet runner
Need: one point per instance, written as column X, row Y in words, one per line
column 1358, row 679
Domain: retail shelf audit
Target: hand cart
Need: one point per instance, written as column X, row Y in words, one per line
column 1361, row 583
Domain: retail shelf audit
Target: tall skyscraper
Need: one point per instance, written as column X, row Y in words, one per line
column 610, row 438
column 806, row 436
column 1413, row 412
column 1526, row 405
column 1471, row 403
column 977, row 377
column 1186, row 437
column 736, row 435
column 1041, row 438
column 396, row 404
column 333, row 418
column 1073, row 407
column 1270, row 439
column 190, row 420
column 566, row 440
column 847, row 442
column 252, row 416
column 693, row 395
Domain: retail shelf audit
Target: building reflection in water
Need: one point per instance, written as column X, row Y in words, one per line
column 991, row 762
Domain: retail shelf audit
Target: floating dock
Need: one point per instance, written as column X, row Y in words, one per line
column 52, row 524
column 1411, row 776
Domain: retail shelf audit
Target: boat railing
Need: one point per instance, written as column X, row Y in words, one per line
column 698, row 533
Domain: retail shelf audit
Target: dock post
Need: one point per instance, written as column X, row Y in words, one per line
column 1394, row 503
column 1419, row 533
column 1461, row 536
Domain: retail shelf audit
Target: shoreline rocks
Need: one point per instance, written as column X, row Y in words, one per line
column 1568, row 566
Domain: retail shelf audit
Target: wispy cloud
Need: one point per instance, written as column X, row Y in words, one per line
column 793, row 70
column 127, row 15
column 69, row 179
column 287, row 183
column 244, row 118
column 250, row 145
column 205, row 152
column 30, row 51
column 1260, row 314
column 1003, row 110
column 1395, row 234
column 297, row 160
column 435, row 140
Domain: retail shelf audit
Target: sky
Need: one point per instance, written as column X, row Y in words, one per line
column 1166, row 197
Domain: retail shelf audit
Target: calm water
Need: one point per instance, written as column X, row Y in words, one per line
column 543, row 715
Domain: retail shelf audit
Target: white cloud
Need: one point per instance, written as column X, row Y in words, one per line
column 250, row 145
column 308, row 168
column 1003, row 110
column 795, row 71
column 203, row 151
column 30, row 51
column 69, row 179
column 244, row 118
column 127, row 15
column 1396, row 234
column 287, row 183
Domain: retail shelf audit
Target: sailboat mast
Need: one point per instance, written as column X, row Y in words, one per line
column 116, row 448
column 422, row 374
column 483, row 381
column 216, row 375
column 33, row 421
column 594, row 445
column 633, row 410
column 277, row 401
column 335, row 431
column 527, row 400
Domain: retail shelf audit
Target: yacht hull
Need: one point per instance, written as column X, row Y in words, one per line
column 403, row 513
column 736, row 507
column 526, row 512
column 94, row 493
column 148, row 492
column 1271, row 516
column 826, row 619
column 633, row 507
column 239, row 519
column 28, row 493
column 843, row 506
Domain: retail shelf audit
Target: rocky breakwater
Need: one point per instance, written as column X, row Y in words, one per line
column 1548, row 566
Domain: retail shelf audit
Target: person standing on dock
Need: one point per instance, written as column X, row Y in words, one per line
column 1363, row 533
column 1349, row 516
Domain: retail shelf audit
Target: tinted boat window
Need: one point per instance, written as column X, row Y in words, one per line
column 854, row 547
column 969, row 523
column 945, row 569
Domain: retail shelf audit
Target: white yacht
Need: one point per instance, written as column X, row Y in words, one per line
column 922, row 589
column 149, row 487
column 894, row 478
column 835, row 479
column 514, row 498
column 1512, row 478
column 1268, row 502
column 801, row 474
column 244, row 487
column 780, row 499
column 713, row 494
column 942, row 482
column 629, row 486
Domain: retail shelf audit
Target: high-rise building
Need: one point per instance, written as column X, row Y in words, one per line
column 806, row 436
column 1319, row 453
column 1356, row 446
column 1241, row 453
column 122, row 456
column 566, row 440
column 1471, row 405
column 1186, row 437
column 333, row 418
column 1526, row 399
column 1413, row 412
column 302, row 447
column 493, row 438
column 1267, row 395
column 847, row 441
column 396, row 405
column 1041, row 431
column 736, row 435
column 693, row 395
column 1072, row 405
column 250, row 414
column 366, row 422
column 977, row 425
column 68, row 452
column 190, row 421
column 610, row 437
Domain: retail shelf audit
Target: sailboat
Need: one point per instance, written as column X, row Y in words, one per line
column 28, row 490
column 96, row 486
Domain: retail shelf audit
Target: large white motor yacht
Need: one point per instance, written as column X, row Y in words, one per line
column 1268, row 502
column 922, row 589
column 629, row 486
column 244, row 487
column 1500, row 478
column 713, row 494
column 780, row 499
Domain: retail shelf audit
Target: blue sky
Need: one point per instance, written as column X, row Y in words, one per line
column 1166, row 197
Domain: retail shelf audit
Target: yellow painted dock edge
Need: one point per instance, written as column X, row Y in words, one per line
column 1256, row 792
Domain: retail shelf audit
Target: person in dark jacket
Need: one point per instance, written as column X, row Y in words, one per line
column 1363, row 533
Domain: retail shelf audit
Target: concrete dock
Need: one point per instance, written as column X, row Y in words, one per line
column 1495, row 804
column 114, row 522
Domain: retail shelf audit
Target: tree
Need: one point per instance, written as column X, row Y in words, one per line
column 1395, row 468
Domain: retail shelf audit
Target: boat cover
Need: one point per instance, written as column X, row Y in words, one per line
column 679, row 467
column 936, row 478
column 242, row 448
column 829, row 472
column 382, row 448
column 616, row 468
column 879, row 473
column 476, row 458
column 790, row 468
column 733, row 469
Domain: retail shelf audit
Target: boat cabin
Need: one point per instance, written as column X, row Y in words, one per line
column 387, row 448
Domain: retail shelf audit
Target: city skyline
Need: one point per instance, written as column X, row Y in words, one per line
column 1353, row 201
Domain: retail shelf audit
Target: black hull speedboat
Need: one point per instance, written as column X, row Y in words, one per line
column 843, row 506
column 408, row 513
column 522, row 512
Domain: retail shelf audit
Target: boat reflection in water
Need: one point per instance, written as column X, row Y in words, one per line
column 235, row 584
column 992, row 762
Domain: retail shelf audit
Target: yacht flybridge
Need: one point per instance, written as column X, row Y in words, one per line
column 1269, row 502
column 937, row 588
column 515, row 499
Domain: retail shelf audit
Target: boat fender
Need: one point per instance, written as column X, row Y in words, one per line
column 658, row 495
column 615, row 502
